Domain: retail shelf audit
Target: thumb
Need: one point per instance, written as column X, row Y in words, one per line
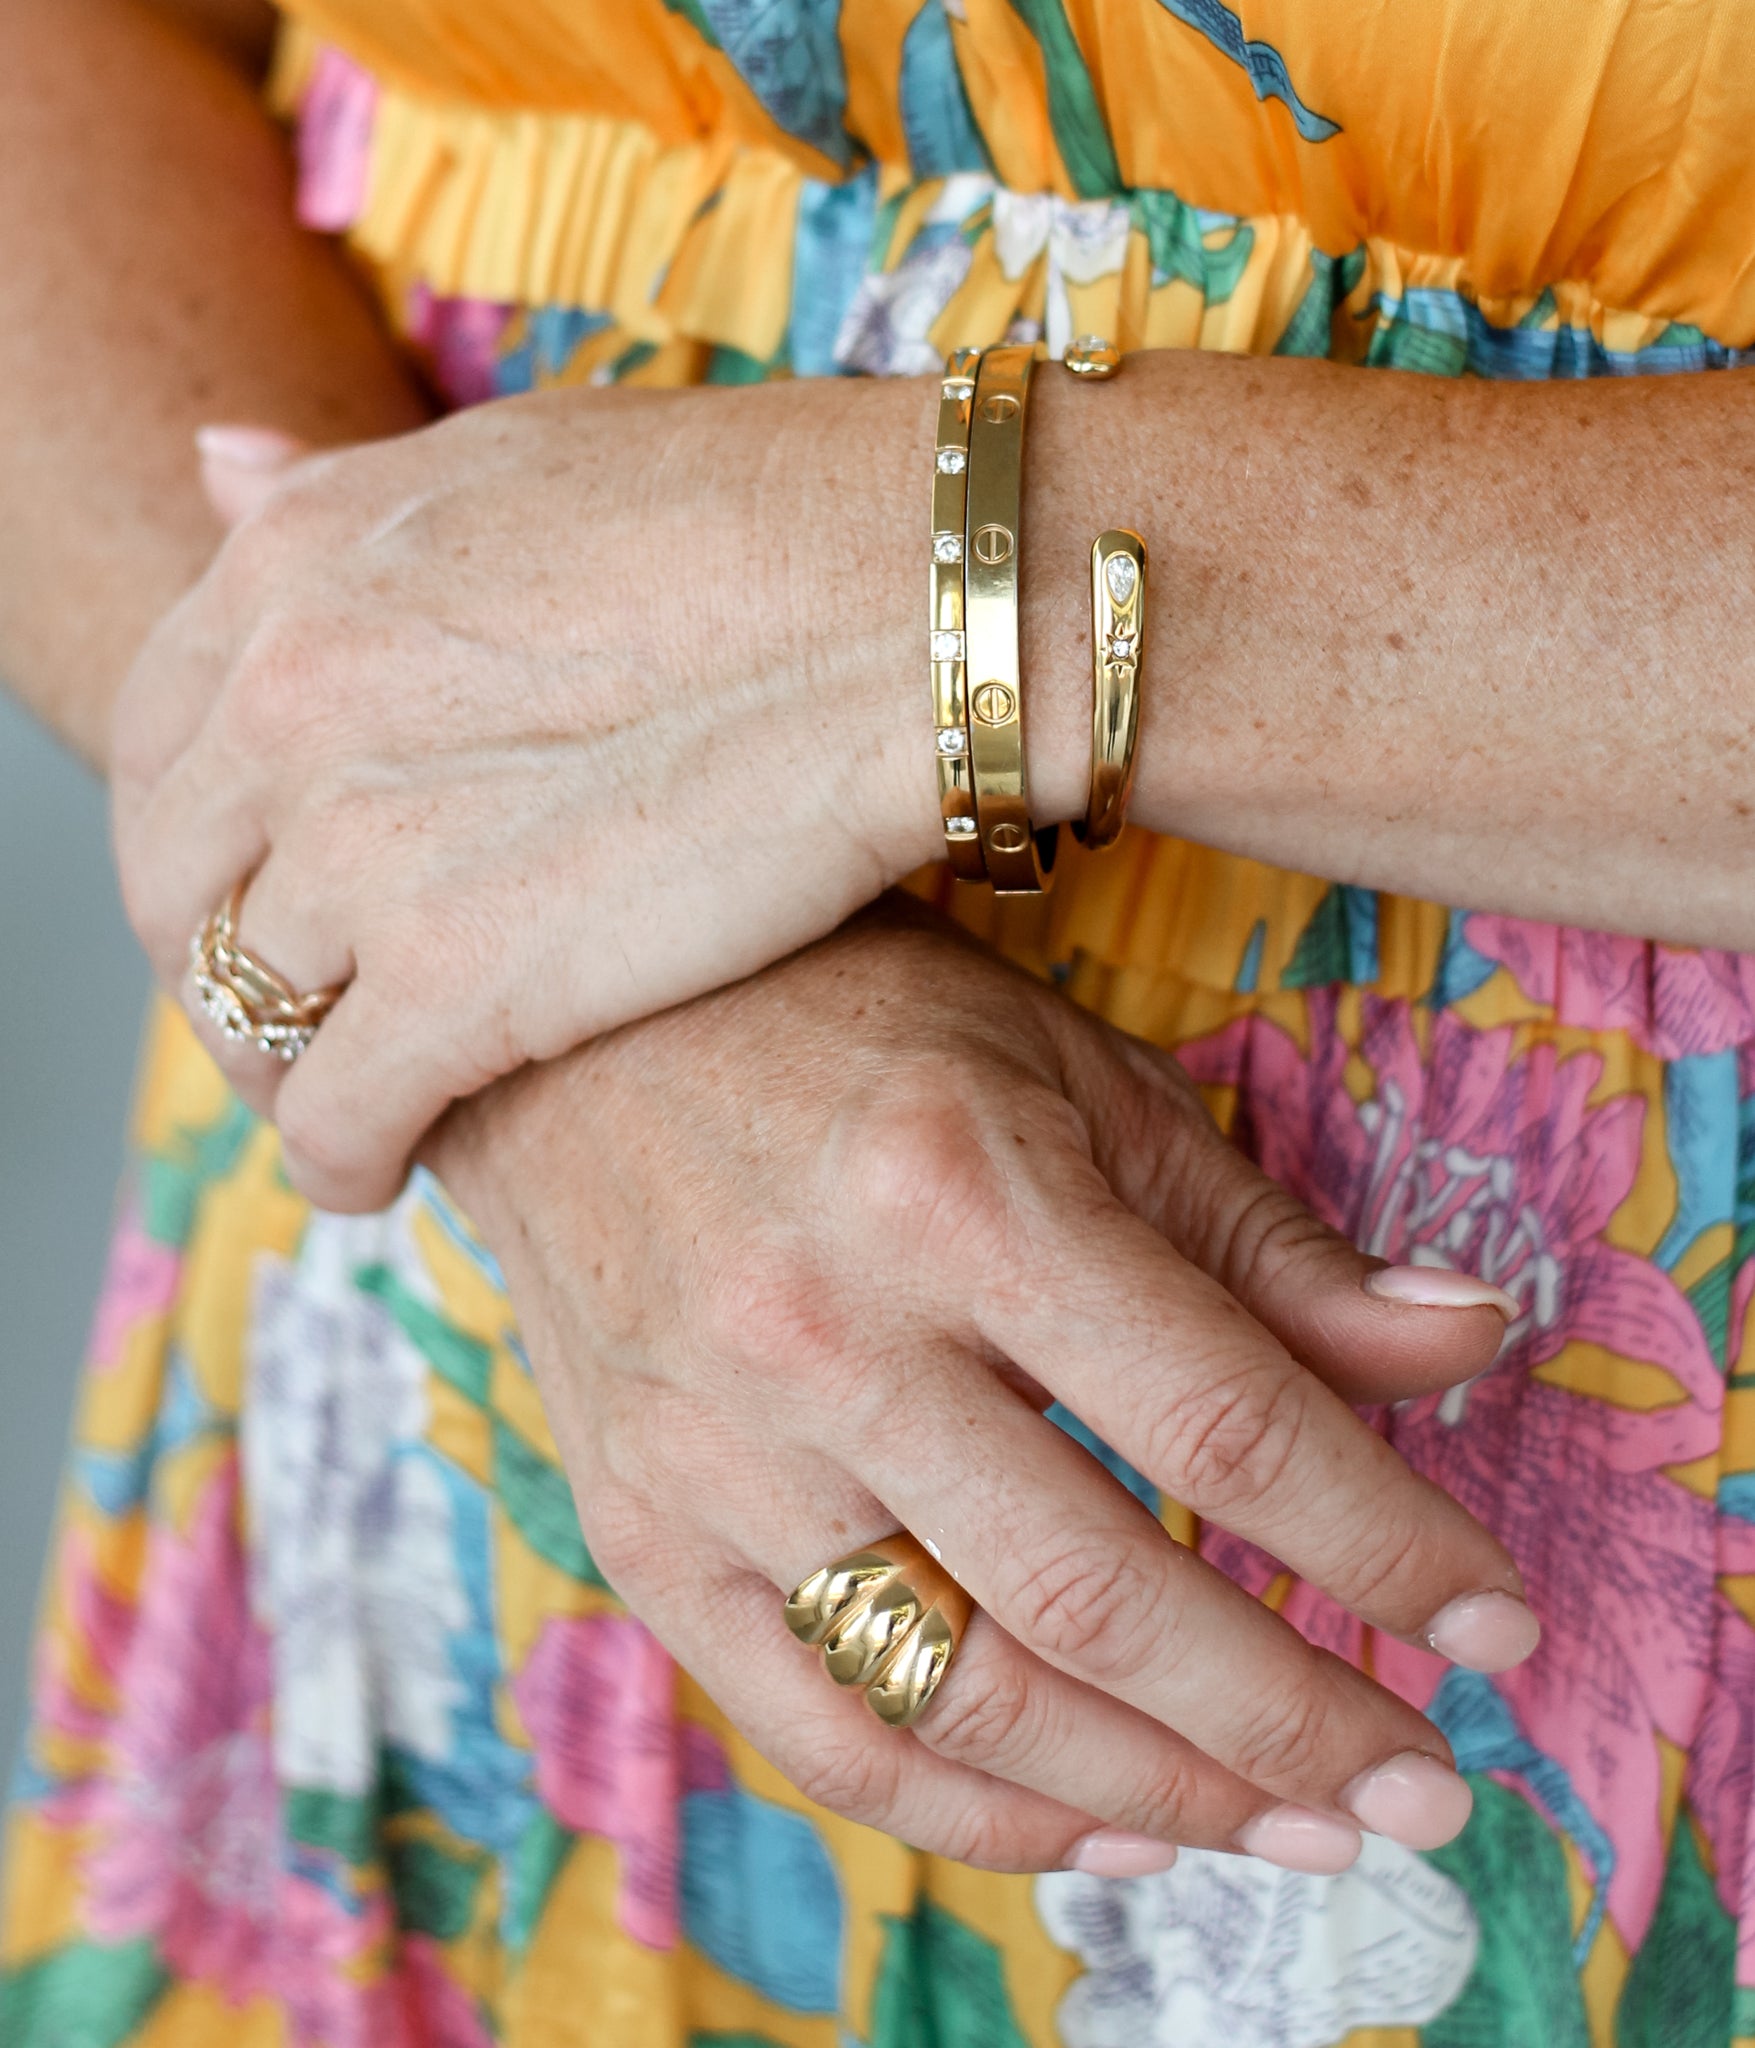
column 241, row 467
column 1372, row 1332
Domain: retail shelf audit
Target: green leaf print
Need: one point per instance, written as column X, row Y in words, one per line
column 1710, row 1298
column 1310, row 330
column 1679, row 1991
column 535, row 1864
column 1073, row 112
column 695, row 15
column 1523, row 1991
column 434, row 1890
column 733, row 2041
column 1338, row 944
column 729, row 365
column 95, row 1997
column 1178, row 245
column 174, row 1181
column 940, row 1985
column 1397, row 346
column 535, row 1494
column 464, row 1361
column 337, row 1821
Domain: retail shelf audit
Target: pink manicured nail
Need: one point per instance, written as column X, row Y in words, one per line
column 1413, row 1799
column 1297, row 1839
column 247, row 447
column 1438, row 1287
column 1112, row 1852
column 1485, row 1631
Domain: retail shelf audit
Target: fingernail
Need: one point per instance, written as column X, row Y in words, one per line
column 1112, row 1852
column 1438, row 1287
column 1413, row 1799
column 247, row 447
column 1297, row 1839
column 1485, row 1631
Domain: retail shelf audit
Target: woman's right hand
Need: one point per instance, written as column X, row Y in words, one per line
column 802, row 1262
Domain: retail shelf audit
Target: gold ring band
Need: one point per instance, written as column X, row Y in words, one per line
column 888, row 1620
column 244, row 997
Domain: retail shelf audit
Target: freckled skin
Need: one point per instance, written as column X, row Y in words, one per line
column 1557, row 694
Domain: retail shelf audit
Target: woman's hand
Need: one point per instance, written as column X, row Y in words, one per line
column 803, row 1261
column 531, row 723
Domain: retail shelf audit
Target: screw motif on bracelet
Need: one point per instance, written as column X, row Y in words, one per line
column 950, row 715
column 1020, row 861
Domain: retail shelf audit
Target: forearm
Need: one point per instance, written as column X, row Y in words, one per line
column 1488, row 644
column 154, row 279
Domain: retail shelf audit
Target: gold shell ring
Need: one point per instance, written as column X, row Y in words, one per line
column 887, row 1620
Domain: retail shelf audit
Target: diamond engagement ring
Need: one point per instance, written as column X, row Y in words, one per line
column 244, row 996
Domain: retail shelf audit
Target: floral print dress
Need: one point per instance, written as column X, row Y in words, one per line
column 339, row 1736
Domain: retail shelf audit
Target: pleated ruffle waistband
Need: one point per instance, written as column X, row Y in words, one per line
column 721, row 243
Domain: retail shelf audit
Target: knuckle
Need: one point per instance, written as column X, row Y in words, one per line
column 915, row 1166
column 1269, row 1235
column 1165, row 1807
column 319, row 1158
column 277, row 689
column 854, row 1779
column 990, row 1715
column 1289, row 1740
column 1090, row 1607
column 1228, row 1445
column 985, row 1837
column 766, row 1306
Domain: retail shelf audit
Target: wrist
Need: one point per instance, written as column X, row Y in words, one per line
column 860, row 619
column 482, row 1152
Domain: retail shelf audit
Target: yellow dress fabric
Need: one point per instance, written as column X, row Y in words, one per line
column 339, row 1735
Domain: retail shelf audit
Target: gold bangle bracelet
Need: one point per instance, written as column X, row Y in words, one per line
column 950, row 697
column 1118, row 616
column 1020, row 861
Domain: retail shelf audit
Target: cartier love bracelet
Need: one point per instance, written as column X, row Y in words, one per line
column 977, row 687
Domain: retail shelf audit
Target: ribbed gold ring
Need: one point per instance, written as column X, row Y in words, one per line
column 888, row 1620
column 244, row 996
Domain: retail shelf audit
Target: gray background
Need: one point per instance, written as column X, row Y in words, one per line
column 72, row 995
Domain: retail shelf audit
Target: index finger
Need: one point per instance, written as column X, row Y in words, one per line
column 1167, row 1367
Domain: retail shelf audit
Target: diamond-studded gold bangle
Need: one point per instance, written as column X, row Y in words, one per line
column 1118, row 617
column 950, row 703
column 1020, row 861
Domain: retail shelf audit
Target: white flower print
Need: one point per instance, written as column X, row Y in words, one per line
column 352, row 1551
column 1225, row 1952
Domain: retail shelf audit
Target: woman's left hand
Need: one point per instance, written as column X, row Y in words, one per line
column 531, row 723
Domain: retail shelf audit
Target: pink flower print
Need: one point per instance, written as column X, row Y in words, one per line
column 98, row 1623
column 1467, row 1158
column 139, row 1281
column 599, row 1698
column 1671, row 1000
column 1495, row 1162
column 462, row 337
column 187, row 1846
column 186, row 1824
column 336, row 119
